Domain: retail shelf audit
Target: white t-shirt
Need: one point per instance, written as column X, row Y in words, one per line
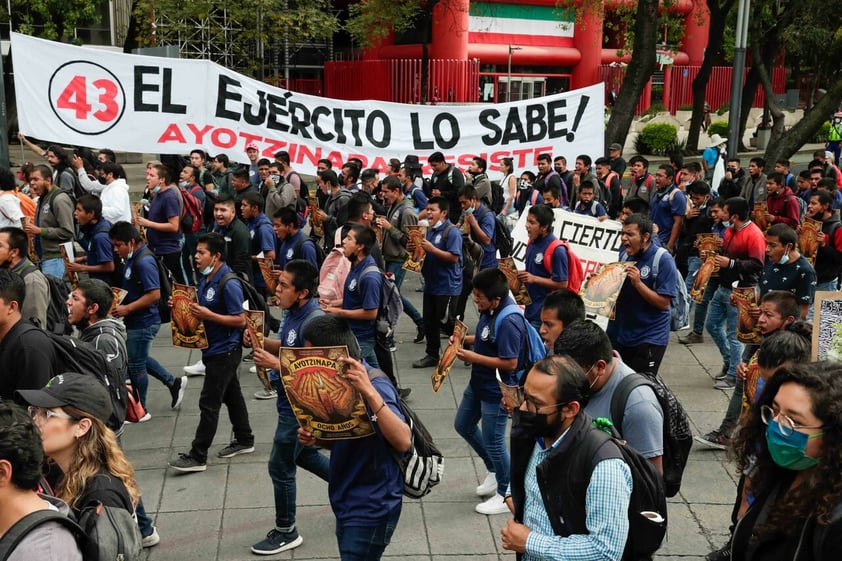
column 10, row 212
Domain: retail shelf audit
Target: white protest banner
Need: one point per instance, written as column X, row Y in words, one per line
column 594, row 243
column 89, row 97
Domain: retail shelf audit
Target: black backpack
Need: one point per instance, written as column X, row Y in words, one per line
column 502, row 238
column 56, row 306
column 678, row 438
column 496, row 197
column 423, row 465
column 320, row 252
column 165, row 282
column 255, row 300
column 12, row 538
column 645, row 534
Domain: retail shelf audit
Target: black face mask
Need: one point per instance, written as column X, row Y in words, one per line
column 558, row 169
column 535, row 424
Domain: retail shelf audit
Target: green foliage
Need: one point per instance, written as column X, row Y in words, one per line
column 821, row 134
column 657, row 138
column 724, row 108
column 718, row 127
column 655, row 108
column 52, row 19
column 371, row 21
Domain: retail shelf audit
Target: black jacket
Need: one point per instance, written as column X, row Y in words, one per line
column 27, row 360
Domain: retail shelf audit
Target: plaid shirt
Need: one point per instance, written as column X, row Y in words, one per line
column 606, row 504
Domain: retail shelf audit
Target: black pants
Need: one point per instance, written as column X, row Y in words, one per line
column 434, row 312
column 173, row 262
column 221, row 385
column 382, row 348
column 643, row 357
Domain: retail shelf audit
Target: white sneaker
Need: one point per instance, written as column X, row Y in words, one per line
column 488, row 486
column 265, row 394
column 197, row 369
column 494, row 505
column 253, row 369
column 152, row 539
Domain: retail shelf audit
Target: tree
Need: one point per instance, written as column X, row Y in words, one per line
column 638, row 72
column 54, row 20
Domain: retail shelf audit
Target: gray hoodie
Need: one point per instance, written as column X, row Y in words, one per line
column 109, row 336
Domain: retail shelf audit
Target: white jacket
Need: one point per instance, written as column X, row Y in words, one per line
column 116, row 206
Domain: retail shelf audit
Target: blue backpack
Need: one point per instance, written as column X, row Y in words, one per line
column 535, row 350
column 680, row 303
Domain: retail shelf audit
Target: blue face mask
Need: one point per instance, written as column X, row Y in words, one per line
column 789, row 452
column 727, row 223
column 438, row 224
column 207, row 270
column 785, row 259
column 157, row 189
column 469, row 210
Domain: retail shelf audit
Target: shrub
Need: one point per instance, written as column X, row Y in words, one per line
column 718, row 127
column 724, row 108
column 821, row 134
column 657, row 139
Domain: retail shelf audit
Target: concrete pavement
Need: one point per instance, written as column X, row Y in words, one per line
column 219, row 514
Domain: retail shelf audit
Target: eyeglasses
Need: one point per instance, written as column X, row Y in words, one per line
column 41, row 414
column 786, row 426
column 533, row 407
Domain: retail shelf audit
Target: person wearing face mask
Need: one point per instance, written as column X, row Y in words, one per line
column 163, row 224
column 786, row 269
column 789, row 453
column 220, row 307
column 139, row 310
column 547, row 176
column 642, row 424
column 549, row 430
column 566, row 175
column 111, row 188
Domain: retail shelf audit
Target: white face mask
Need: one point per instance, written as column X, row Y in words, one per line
column 209, row 269
column 438, row 224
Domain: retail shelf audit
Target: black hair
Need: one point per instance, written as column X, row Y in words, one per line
column 481, row 163
column 17, row 240
column 225, row 199
column 668, row 170
column 636, row 205
column 778, row 178
column 435, row 158
column 91, row 203
column 304, row 275
column 44, row 171
column 585, row 342
column 282, row 156
column 643, row 223
column 699, row 188
column 114, row 169
column 571, row 381
column 254, row 198
column 492, row 283
column 222, row 159
column 677, row 159
column 568, row 306
column 20, row 445
column 824, row 198
column 215, row 243
column 194, row 171
column 738, row 206
column 358, row 202
column 326, row 162
column 784, row 232
column 364, row 236
column 602, row 161
column 352, row 173
column 329, row 177
column 12, row 288
column 585, row 159
column 529, row 174
column 240, row 173
column 109, row 154
column 97, row 291
column 263, row 162
column 331, row 331
column 124, row 232
column 392, row 183
column 641, row 159
column 469, row 192
column 544, row 158
column 200, row 152
column 758, row 161
column 442, row 202
column 785, row 303
column 543, row 214
column 288, row 217
column 793, row 344
column 7, row 180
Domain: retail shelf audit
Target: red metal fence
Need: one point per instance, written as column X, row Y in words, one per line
column 452, row 81
column 677, row 89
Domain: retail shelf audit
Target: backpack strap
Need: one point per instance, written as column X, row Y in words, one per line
column 370, row 269
column 657, row 261
column 534, row 196
column 31, row 521
column 621, row 395
column 548, row 255
column 313, row 313
column 505, row 312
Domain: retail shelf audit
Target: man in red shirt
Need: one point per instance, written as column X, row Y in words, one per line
column 781, row 203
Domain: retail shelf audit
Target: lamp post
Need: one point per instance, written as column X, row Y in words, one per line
column 509, row 74
column 737, row 79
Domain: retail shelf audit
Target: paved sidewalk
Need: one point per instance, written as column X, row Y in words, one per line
column 219, row 514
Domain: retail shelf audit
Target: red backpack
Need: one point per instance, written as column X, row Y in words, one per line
column 192, row 211
column 575, row 274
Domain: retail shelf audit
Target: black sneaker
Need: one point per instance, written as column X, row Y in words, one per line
column 721, row 554
column 404, row 392
column 235, row 449
column 177, row 391
column 722, row 373
column 426, row 362
column 419, row 334
column 188, row 464
column 249, row 357
column 714, row 439
column 276, row 542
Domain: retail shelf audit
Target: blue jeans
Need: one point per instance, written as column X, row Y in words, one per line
column 366, row 543
column 54, row 267
column 721, row 313
column 399, row 272
column 367, row 352
column 490, row 442
column 138, row 345
column 827, row 285
column 287, row 453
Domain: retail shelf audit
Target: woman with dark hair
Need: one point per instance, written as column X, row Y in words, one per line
column 509, row 184
column 791, row 453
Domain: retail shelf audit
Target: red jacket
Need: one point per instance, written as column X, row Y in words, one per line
column 784, row 208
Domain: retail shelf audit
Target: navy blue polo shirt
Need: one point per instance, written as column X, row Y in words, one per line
column 221, row 339
column 440, row 278
column 286, row 252
column 139, row 277
column 366, row 485
column 262, row 238
column 510, row 342
column 291, row 335
column 534, row 260
column 164, row 205
column 362, row 292
column 637, row 321
column 663, row 210
column 486, row 219
column 100, row 250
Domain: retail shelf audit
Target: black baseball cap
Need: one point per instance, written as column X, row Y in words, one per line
column 84, row 392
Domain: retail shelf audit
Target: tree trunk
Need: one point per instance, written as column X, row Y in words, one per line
column 803, row 131
column 638, row 72
column 716, row 34
column 749, row 89
column 771, row 101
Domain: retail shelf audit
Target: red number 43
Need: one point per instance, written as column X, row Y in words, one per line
column 75, row 97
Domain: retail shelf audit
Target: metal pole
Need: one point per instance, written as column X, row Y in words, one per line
column 509, row 77
column 4, row 145
column 737, row 79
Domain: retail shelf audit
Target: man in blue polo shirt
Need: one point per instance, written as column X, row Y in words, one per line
column 442, row 273
column 294, row 294
column 99, row 259
column 294, row 244
column 220, row 307
column 163, row 225
column 479, row 224
column 139, row 311
column 261, row 236
column 365, row 482
column 668, row 207
column 539, row 279
column 641, row 328
column 361, row 297
column 496, row 348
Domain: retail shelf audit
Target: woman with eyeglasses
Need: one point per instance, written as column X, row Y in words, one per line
column 791, row 452
column 70, row 412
